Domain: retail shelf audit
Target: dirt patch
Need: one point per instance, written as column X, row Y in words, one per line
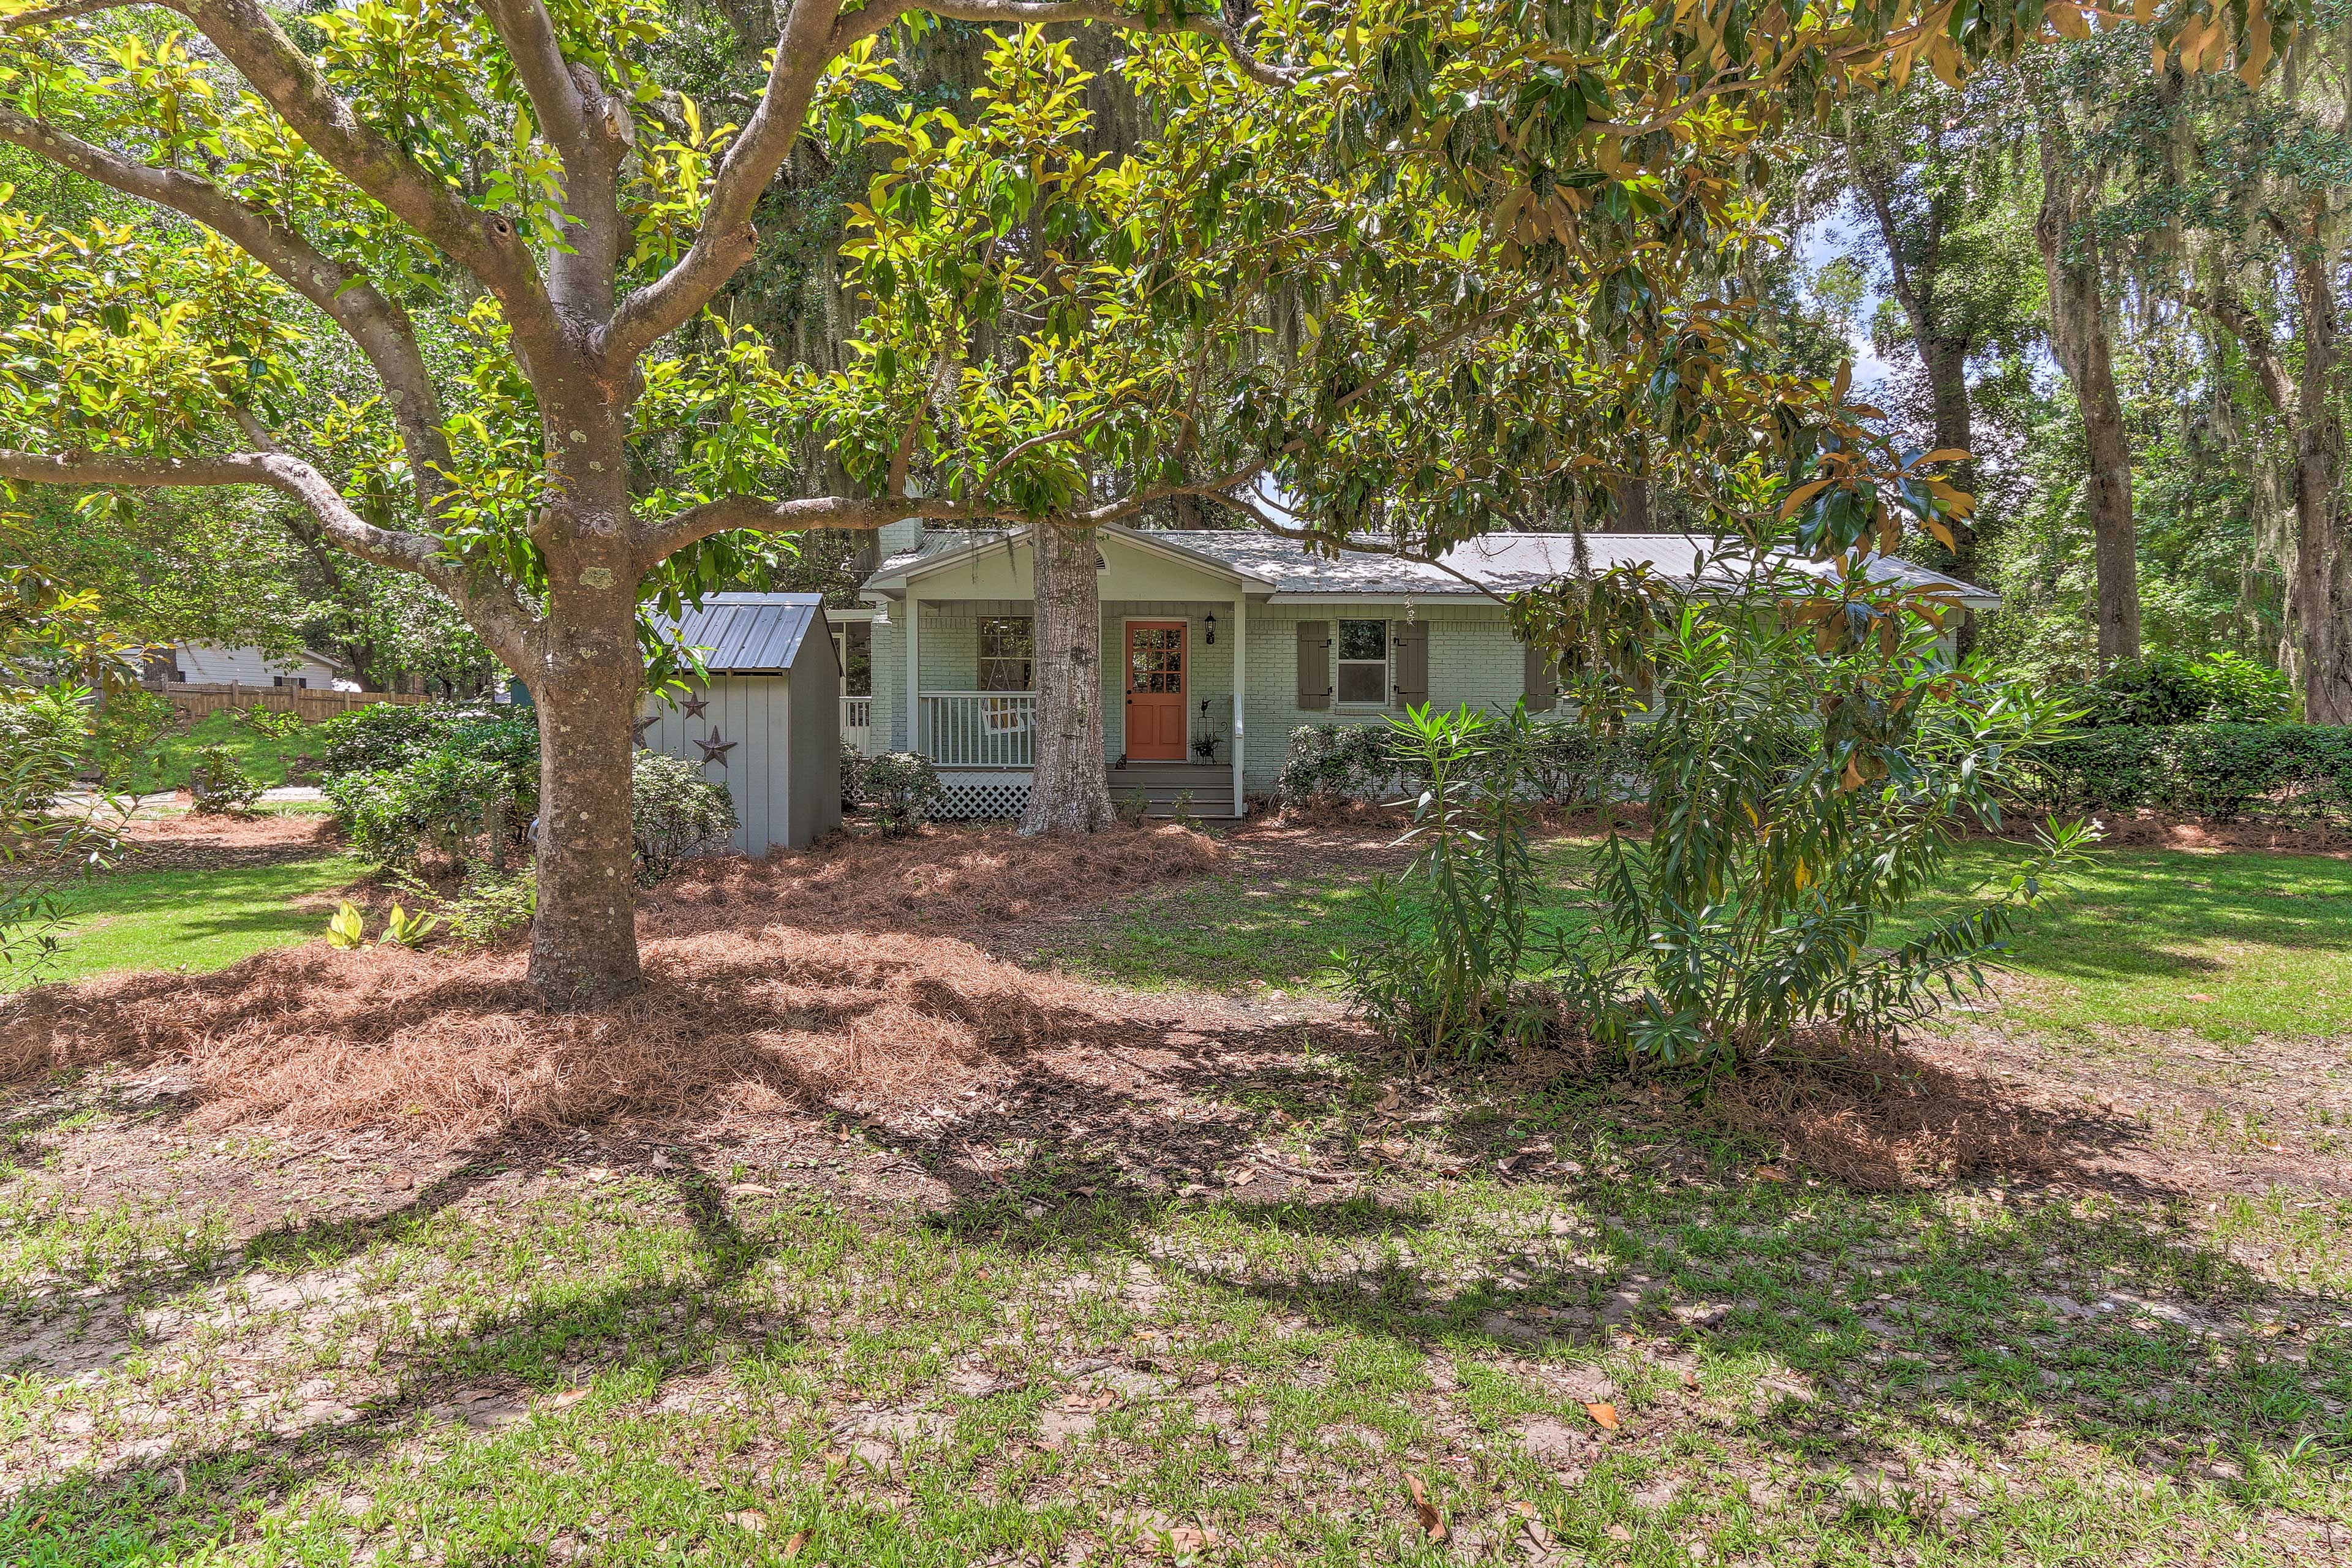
column 194, row 842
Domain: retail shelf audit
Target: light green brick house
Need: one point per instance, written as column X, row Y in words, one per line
column 1216, row 646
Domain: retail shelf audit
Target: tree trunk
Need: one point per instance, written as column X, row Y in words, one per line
column 2320, row 594
column 584, row 940
column 2078, row 338
column 1068, row 790
column 1631, row 510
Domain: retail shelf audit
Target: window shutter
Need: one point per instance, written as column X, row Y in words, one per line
column 1409, row 667
column 1315, row 664
column 1542, row 684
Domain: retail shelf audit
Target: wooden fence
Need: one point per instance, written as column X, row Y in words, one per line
column 313, row 703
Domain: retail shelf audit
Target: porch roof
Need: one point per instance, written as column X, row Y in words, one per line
column 1286, row 571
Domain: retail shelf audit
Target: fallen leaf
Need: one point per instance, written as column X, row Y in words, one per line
column 1246, row 1175
column 793, row 1545
column 2199, row 996
column 1184, row 1538
column 1524, row 1510
column 1604, row 1416
column 1619, row 1532
column 1690, row 1381
column 568, row 1396
column 749, row 1519
column 1390, row 1100
column 1767, row 1173
column 750, row 1190
column 1431, row 1525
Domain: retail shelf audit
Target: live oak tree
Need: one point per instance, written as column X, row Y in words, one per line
column 1484, row 233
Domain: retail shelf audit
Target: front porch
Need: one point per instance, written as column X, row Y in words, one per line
column 984, row 745
column 955, row 671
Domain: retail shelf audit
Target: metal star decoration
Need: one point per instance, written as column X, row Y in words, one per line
column 714, row 750
column 695, row 705
column 637, row 731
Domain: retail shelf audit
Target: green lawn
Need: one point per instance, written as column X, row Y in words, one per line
column 1100, row 1339
column 266, row 757
column 2144, row 934
column 192, row 920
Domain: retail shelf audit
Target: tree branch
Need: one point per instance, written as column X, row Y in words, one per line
column 484, row 243
column 2222, row 304
column 380, row 327
column 529, row 34
column 501, row 618
column 725, row 240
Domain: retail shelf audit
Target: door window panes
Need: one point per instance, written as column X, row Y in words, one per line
column 1156, row 660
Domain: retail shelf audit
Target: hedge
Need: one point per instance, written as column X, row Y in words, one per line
column 1359, row 761
column 2218, row 771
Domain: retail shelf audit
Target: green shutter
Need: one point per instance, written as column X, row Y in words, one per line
column 1542, row 683
column 1314, row 663
column 1409, row 663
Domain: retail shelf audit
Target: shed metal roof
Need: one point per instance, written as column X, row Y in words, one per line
column 751, row 634
column 1496, row 562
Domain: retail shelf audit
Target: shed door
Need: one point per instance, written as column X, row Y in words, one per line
column 1155, row 692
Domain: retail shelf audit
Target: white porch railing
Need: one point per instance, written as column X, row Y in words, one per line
column 856, row 713
column 980, row 729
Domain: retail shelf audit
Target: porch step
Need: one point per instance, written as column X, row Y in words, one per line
column 1211, row 787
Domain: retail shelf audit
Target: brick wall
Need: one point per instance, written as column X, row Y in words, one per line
column 1473, row 658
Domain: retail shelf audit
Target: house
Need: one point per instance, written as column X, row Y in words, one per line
column 1216, row 646
column 218, row 663
column 766, row 721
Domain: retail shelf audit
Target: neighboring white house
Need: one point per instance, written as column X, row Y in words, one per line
column 215, row 664
column 1216, row 644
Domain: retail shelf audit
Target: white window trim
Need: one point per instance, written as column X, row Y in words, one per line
column 1387, row 663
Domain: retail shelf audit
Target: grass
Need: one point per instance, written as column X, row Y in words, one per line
column 267, row 758
column 571, row 1363
column 585, row 1349
column 192, row 920
column 2227, row 946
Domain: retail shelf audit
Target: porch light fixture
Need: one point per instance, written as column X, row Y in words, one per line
column 1212, row 628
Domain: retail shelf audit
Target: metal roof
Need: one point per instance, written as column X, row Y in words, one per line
column 751, row 634
column 1496, row 562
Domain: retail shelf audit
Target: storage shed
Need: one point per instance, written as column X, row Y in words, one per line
column 767, row 722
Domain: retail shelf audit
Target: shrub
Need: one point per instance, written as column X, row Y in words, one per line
column 123, row 733
column 43, row 732
column 378, row 736
column 408, row 781
column 441, row 802
column 216, row 783
column 675, row 816
column 2221, row 771
column 491, row 905
column 2163, row 689
column 1442, row 969
column 1803, row 786
column 1562, row 763
column 905, row 790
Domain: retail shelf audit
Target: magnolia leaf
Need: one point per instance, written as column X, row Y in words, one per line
column 1604, row 1416
column 1800, row 495
column 1433, row 1525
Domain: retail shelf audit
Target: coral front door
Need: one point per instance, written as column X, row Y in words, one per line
column 1155, row 692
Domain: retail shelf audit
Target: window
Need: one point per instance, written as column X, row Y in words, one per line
column 1363, row 663
column 853, row 649
column 1006, row 648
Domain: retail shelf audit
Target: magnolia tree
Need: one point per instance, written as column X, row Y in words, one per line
column 1428, row 265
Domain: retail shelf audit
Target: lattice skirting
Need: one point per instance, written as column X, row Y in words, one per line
column 984, row 798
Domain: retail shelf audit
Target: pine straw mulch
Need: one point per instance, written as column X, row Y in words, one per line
column 792, row 981
column 194, row 841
